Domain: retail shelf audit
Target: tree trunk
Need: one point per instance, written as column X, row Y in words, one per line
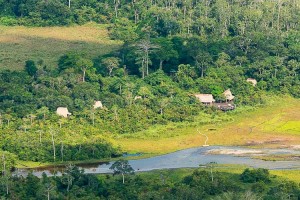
column 147, row 63
column 110, row 71
column 4, row 172
column 161, row 64
column 123, row 178
column 4, row 164
column 93, row 118
column 53, row 145
column 62, row 152
column 83, row 77
column 143, row 68
column 40, row 136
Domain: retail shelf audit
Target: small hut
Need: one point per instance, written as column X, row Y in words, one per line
column 63, row 111
column 98, row 104
column 252, row 81
column 206, row 99
column 228, row 95
column 137, row 97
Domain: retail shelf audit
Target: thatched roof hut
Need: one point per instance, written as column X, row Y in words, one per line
column 252, row 81
column 63, row 111
column 205, row 98
column 98, row 104
column 228, row 95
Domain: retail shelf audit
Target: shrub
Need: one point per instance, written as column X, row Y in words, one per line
column 8, row 21
column 255, row 175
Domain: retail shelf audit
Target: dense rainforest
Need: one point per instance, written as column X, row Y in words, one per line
column 175, row 184
column 171, row 50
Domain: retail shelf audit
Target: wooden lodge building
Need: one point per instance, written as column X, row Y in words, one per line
column 208, row 100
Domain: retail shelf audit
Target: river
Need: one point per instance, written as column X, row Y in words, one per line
column 191, row 158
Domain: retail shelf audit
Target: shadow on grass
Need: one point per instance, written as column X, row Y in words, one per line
column 14, row 54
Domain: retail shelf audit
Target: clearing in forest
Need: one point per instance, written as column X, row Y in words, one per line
column 272, row 126
column 19, row 43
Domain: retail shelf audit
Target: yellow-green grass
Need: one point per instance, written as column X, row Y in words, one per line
column 273, row 125
column 291, row 175
column 172, row 175
column 161, row 139
column 19, row 43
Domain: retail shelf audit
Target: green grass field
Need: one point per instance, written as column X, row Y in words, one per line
column 18, row 44
column 273, row 125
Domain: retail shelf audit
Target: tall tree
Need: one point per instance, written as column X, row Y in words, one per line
column 143, row 49
column 84, row 64
column 111, row 63
column 166, row 50
column 122, row 167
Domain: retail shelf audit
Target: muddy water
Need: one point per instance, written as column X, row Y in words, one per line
column 191, row 158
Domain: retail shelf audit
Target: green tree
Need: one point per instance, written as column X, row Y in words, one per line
column 203, row 60
column 166, row 50
column 125, row 30
column 30, row 67
column 143, row 50
column 122, row 167
column 84, row 64
column 111, row 63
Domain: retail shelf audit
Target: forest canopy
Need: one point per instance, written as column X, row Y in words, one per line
column 172, row 49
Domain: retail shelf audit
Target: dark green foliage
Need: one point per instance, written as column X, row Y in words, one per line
column 255, row 175
column 122, row 167
column 74, row 184
column 8, row 160
column 285, row 190
column 35, row 151
column 30, row 67
column 178, row 49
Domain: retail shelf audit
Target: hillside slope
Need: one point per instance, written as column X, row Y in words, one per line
column 18, row 43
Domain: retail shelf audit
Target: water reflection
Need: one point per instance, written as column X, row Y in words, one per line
column 186, row 158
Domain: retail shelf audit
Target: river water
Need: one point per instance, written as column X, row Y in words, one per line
column 191, row 158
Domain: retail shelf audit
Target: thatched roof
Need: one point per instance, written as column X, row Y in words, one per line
column 228, row 95
column 63, row 111
column 137, row 97
column 98, row 104
column 205, row 98
column 252, row 81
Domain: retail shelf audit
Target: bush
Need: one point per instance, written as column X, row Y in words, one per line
column 259, row 187
column 8, row 158
column 8, row 21
column 255, row 175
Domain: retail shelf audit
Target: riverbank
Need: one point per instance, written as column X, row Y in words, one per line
column 188, row 158
column 273, row 125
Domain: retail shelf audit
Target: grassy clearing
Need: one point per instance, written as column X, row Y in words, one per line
column 274, row 125
column 18, row 43
column 292, row 175
column 262, row 121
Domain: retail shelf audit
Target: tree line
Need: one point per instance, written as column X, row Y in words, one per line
column 196, row 184
column 171, row 50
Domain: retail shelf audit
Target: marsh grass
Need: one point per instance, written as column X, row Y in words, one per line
column 258, row 127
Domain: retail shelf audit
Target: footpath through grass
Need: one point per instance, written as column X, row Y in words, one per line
column 273, row 125
column 19, row 43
